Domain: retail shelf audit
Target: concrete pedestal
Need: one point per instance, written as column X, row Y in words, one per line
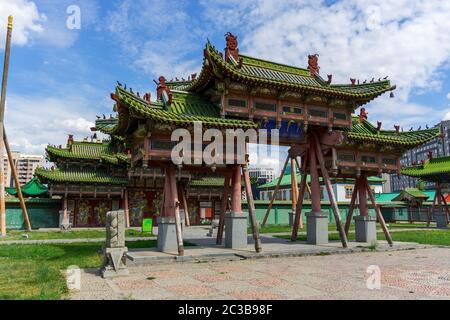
column 236, row 230
column 115, row 264
column 365, row 229
column 291, row 218
column 316, row 228
column 167, row 234
column 441, row 220
column 64, row 222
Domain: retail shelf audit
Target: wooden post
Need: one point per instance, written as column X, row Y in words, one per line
column 364, row 184
column 430, row 215
column 16, row 181
column 300, row 225
column 236, row 190
column 294, row 186
column 126, row 209
column 301, row 194
column 251, row 208
column 175, row 208
column 223, row 208
column 185, row 205
column 65, row 216
column 2, row 116
column 351, row 207
column 327, row 181
column 275, row 192
column 446, row 207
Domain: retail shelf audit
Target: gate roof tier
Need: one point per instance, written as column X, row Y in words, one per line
column 185, row 109
column 433, row 170
column 363, row 132
column 258, row 72
column 100, row 151
column 85, row 175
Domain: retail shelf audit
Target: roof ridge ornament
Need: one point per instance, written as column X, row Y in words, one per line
column 231, row 49
column 313, row 64
column 363, row 115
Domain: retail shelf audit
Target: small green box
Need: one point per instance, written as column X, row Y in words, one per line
column 147, row 225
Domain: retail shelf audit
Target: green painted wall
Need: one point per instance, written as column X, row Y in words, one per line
column 42, row 214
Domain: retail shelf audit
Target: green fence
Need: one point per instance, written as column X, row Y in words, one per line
column 43, row 213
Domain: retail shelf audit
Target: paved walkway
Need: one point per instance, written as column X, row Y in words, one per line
column 412, row 274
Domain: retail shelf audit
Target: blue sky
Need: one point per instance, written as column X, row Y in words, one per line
column 61, row 78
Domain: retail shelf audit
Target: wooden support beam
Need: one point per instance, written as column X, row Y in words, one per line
column 175, row 206
column 184, row 204
column 327, row 181
column 251, row 208
column 430, row 214
column 294, row 186
column 301, row 193
column 300, row 225
column 223, row 208
column 377, row 210
column 275, row 191
column 2, row 116
column 126, row 209
column 16, row 181
column 351, row 206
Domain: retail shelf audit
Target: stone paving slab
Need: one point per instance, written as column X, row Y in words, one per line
column 407, row 274
column 205, row 249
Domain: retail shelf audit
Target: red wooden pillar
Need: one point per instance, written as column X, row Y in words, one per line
column 315, row 186
column 125, row 208
column 362, row 194
column 236, row 190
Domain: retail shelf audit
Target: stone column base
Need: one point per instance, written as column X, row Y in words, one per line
column 167, row 234
column 316, row 228
column 64, row 222
column 291, row 218
column 365, row 229
column 115, row 263
column 236, row 230
column 441, row 220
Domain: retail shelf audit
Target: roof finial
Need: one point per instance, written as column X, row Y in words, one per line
column 363, row 115
column 313, row 64
column 231, row 49
column 10, row 22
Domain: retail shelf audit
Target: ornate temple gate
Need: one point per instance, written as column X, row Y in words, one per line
column 234, row 92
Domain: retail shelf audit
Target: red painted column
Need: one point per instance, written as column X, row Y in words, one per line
column 236, row 190
column 362, row 195
column 315, row 186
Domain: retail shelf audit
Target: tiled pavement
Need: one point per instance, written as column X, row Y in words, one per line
column 410, row 274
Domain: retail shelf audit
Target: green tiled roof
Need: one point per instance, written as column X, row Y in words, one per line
column 106, row 126
column 286, row 181
column 410, row 192
column 84, row 150
column 79, row 175
column 32, row 188
column 278, row 75
column 436, row 169
column 367, row 133
column 198, row 111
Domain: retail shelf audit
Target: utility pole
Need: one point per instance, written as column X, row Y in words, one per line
column 2, row 116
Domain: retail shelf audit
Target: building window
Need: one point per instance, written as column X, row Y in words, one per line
column 265, row 106
column 318, row 113
column 339, row 116
column 346, row 156
column 368, row 159
column 389, row 161
column 239, row 103
column 294, row 110
column 348, row 192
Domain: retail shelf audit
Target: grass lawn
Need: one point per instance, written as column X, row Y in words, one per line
column 74, row 234
column 332, row 227
column 433, row 237
column 32, row 271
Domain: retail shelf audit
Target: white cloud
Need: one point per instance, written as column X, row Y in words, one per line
column 27, row 20
column 448, row 96
column 407, row 40
column 34, row 121
column 446, row 116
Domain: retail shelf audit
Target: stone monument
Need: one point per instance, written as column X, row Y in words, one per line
column 114, row 253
